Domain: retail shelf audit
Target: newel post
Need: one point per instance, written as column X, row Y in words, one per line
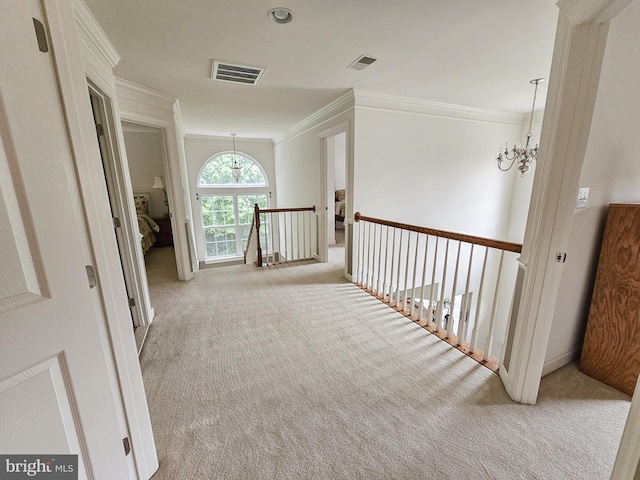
column 256, row 215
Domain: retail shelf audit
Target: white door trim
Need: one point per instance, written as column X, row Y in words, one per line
column 142, row 105
column 579, row 49
column 73, row 43
column 121, row 191
column 325, row 177
column 628, row 459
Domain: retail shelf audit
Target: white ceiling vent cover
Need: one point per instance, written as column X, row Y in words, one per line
column 228, row 72
column 363, row 62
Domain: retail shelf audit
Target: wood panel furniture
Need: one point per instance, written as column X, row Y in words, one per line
column 164, row 237
column 611, row 349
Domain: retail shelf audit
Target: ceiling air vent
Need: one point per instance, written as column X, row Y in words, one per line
column 227, row 72
column 363, row 62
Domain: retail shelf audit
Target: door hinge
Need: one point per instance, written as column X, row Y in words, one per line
column 126, row 445
column 91, row 276
column 116, row 222
column 132, row 302
column 41, row 35
column 99, row 129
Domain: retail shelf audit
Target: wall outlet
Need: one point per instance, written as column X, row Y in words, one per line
column 583, row 196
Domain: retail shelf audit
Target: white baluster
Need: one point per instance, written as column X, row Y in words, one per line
column 442, row 289
column 380, row 270
column 432, row 292
column 406, row 272
column 369, row 275
column 398, row 277
column 393, row 261
column 476, row 320
column 421, row 320
column 284, row 221
column 359, row 255
column 415, row 271
column 454, row 290
column 374, row 280
column 463, row 322
column 494, row 308
column 305, row 215
column 386, row 259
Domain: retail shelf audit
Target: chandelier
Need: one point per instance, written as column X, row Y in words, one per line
column 523, row 156
column 236, row 171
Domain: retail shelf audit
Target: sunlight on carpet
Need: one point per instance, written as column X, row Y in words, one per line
column 291, row 372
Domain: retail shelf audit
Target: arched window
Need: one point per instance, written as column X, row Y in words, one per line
column 226, row 206
column 216, row 172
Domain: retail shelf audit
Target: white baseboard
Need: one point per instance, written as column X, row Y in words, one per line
column 559, row 362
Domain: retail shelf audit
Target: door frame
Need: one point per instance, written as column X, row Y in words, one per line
column 144, row 106
column 120, row 191
column 82, row 51
column 326, row 195
column 581, row 38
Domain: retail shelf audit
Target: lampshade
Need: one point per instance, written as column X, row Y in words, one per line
column 158, row 182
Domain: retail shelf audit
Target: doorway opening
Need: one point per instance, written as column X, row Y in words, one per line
column 335, row 153
column 145, row 149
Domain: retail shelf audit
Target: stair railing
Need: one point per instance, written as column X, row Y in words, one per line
column 282, row 235
column 457, row 286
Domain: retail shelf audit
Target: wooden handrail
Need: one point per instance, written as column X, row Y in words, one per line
column 278, row 210
column 256, row 223
column 485, row 242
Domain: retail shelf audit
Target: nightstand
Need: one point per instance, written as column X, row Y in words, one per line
column 164, row 237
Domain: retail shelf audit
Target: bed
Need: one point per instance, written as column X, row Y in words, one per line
column 146, row 225
column 340, row 205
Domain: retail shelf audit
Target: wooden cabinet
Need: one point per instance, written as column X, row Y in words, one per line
column 611, row 349
column 164, row 237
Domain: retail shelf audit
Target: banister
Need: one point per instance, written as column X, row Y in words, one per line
column 485, row 242
column 256, row 224
column 279, row 210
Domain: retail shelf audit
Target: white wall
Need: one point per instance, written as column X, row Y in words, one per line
column 145, row 155
column 432, row 171
column 298, row 165
column 612, row 171
column 200, row 148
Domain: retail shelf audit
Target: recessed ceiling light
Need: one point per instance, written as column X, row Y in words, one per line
column 280, row 15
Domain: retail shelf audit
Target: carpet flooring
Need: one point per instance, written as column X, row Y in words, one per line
column 291, row 372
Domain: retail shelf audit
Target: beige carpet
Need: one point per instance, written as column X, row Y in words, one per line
column 290, row 372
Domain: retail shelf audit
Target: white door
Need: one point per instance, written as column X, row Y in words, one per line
column 56, row 385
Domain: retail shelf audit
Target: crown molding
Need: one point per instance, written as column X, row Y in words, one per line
column 94, row 33
column 144, row 95
column 425, row 107
column 340, row 105
column 591, row 11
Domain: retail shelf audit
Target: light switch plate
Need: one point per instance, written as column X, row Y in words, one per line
column 583, row 196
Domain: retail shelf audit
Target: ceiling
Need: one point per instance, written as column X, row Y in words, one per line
column 463, row 52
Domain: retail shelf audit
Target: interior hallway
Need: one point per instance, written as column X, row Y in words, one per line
column 291, row 372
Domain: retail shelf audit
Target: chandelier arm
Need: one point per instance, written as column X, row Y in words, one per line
column 500, row 160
